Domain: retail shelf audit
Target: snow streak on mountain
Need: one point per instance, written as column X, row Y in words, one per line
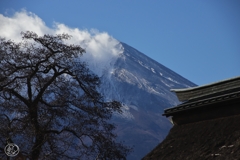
column 143, row 86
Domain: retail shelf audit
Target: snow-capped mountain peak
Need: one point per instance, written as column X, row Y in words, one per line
column 143, row 86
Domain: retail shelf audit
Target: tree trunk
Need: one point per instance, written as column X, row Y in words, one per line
column 36, row 150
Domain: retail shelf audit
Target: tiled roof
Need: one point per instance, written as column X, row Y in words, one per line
column 205, row 95
column 204, row 90
column 201, row 103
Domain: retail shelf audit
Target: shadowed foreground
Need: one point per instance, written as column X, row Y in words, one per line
column 217, row 139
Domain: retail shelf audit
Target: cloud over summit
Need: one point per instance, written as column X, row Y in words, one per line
column 101, row 49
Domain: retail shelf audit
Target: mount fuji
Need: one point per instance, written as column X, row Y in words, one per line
column 143, row 86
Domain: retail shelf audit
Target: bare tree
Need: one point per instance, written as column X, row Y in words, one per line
column 50, row 107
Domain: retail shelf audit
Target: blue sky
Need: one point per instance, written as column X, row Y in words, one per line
column 199, row 40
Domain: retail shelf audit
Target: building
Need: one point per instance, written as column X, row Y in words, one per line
column 206, row 123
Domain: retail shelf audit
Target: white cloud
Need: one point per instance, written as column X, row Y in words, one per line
column 11, row 27
column 102, row 49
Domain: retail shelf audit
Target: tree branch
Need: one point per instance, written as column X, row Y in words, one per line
column 19, row 96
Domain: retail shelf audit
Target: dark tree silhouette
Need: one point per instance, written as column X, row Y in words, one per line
column 50, row 107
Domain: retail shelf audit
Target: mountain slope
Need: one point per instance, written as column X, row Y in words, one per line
column 143, row 86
